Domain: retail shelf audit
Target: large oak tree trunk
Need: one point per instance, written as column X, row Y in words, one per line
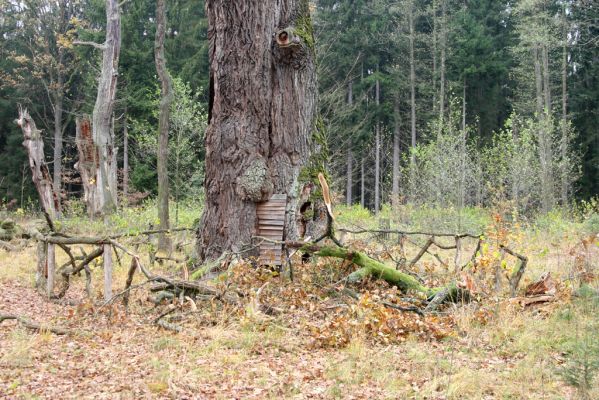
column 261, row 115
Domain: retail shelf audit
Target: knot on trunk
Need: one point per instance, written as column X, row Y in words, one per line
column 286, row 37
column 294, row 44
column 255, row 183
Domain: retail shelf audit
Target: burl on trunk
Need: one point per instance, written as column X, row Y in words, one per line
column 261, row 116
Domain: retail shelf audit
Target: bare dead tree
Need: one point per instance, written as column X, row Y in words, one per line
column 40, row 174
column 103, row 196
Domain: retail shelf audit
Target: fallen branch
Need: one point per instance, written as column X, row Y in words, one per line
column 167, row 325
column 61, row 239
column 517, row 271
column 413, row 309
column 369, row 267
column 67, row 273
column 423, row 250
column 174, row 283
column 32, row 325
column 408, row 233
column 7, row 246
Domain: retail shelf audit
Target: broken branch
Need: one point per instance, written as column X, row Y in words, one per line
column 32, row 325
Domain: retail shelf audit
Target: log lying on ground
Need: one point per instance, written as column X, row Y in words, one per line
column 370, row 267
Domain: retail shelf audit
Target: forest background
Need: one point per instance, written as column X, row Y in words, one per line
column 444, row 103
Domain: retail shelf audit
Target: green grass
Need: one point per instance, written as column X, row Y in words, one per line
column 138, row 218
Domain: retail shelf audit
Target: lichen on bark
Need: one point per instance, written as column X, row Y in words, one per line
column 255, row 184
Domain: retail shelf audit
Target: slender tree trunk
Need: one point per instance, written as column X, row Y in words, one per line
column 434, row 57
column 102, row 114
column 58, row 127
column 412, row 79
column 464, row 107
column 396, row 149
column 546, row 79
column 349, row 183
column 545, row 157
column 413, row 91
column 443, row 56
column 262, row 105
column 377, row 156
column 178, row 181
column 362, row 183
column 166, row 89
column 113, row 181
column 125, row 160
column 538, row 81
column 350, row 168
column 58, row 138
column 565, row 189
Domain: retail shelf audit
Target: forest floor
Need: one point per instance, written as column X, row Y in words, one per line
column 318, row 344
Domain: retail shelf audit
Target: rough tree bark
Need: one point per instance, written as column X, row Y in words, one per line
column 87, row 164
column 40, row 174
column 102, row 114
column 167, row 97
column 261, row 115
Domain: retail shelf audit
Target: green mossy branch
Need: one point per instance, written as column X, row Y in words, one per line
column 370, row 267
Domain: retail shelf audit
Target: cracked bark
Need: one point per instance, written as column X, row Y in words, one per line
column 102, row 114
column 261, row 112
